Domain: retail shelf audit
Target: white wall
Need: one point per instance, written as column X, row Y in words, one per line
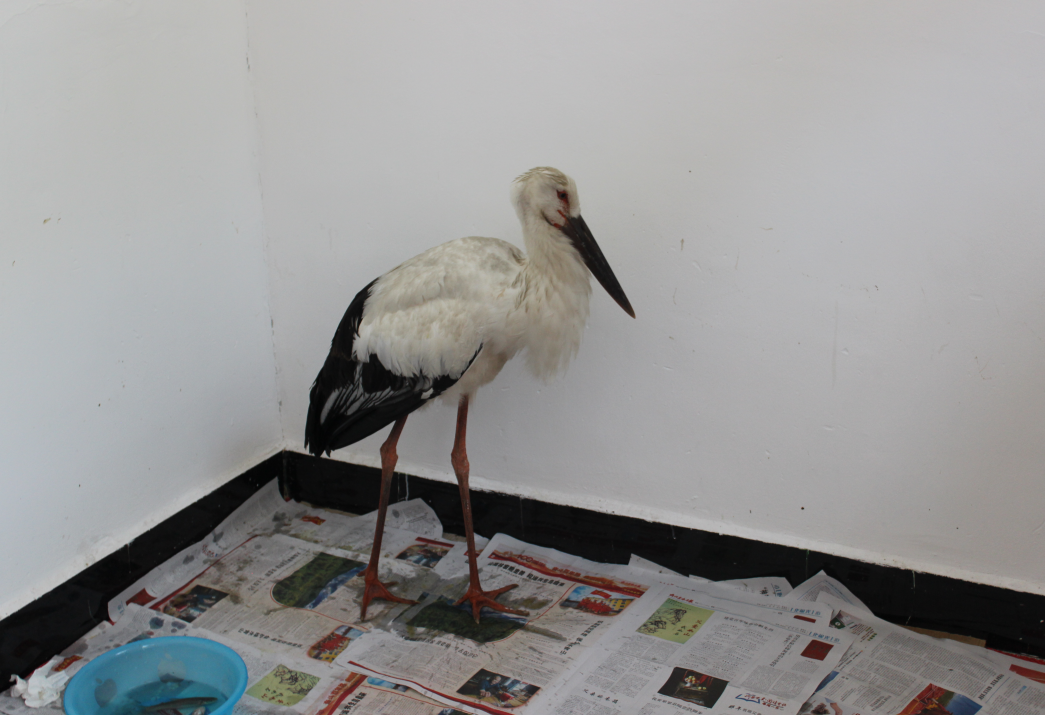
column 135, row 342
column 830, row 218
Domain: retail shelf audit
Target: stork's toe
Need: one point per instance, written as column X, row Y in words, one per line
column 485, row 599
column 375, row 589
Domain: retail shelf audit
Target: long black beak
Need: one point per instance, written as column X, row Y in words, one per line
column 579, row 233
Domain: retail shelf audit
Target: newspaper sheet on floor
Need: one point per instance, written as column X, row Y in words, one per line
column 517, row 664
column 890, row 670
column 289, row 592
column 281, row 583
column 505, row 662
column 766, row 585
column 267, row 513
column 692, row 647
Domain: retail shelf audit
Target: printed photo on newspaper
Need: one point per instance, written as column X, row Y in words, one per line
column 684, row 648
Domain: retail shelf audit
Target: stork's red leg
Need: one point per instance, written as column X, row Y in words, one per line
column 374, row 588
column 459, row 458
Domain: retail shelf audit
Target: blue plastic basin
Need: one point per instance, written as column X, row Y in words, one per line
column 168, row 659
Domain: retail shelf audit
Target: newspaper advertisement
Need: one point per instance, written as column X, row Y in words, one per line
column 682, row 649
column 890, row 670
column 503, row 663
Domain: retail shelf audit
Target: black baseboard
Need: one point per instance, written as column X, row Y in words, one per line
column 1008, row 620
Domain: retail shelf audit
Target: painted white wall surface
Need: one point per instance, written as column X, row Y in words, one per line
column 135, row 339
column 830, row 218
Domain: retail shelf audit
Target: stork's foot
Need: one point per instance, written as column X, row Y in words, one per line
column 480, row 599
column 375, row 589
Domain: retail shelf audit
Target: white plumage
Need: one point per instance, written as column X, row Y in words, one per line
column 432, row 314
column 445, row 322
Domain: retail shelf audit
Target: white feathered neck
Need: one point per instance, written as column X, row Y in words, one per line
column 556, row 285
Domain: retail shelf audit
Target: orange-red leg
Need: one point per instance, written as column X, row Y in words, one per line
column 459, row 458
column 374, row 588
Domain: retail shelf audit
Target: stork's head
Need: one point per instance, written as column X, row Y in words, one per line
column 546, row 193
column 546, row 196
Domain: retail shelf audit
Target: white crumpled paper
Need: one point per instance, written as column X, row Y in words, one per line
column 43, row 686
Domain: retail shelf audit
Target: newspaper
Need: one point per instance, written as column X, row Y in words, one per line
column 267, row 513
column 1030, row 668
column 803, row 616
column 253, row 516
column 767, row 585
column 519, row 663
column 281, row 584
column 358, row 694
column 285, row 595
column 890, row 670
column 810, row 590
column 638, row 562
column 691, row 647
column 503, row 663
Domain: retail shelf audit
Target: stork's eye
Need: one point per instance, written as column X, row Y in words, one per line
column 563, row 195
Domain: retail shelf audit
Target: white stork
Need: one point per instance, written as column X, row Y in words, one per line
column 444, row 323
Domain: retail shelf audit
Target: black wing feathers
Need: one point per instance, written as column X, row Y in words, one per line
column 351, row 400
